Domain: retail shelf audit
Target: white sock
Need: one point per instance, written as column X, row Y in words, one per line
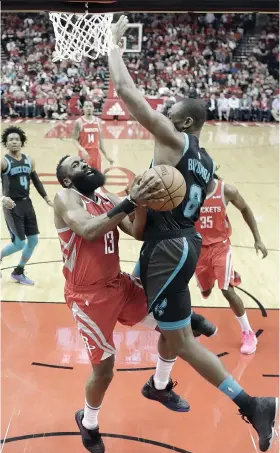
column 90, row 420
column 244, row 323
column 161, row 377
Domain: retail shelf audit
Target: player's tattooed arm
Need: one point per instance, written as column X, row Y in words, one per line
column 75, row 138
column 69, row 209
column 160, row 126
column 233, row 196
column 38, row 183
column 125, row 225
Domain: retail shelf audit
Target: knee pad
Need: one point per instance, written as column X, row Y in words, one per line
column 19, row 244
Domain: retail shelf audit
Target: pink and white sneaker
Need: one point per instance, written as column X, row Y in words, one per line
column 249, row 343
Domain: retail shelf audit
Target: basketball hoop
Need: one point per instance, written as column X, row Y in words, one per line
column 81, row 35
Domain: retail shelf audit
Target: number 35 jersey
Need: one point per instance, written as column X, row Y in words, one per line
column 213, row 223
column 197, row 167
column 88, row 263
column 16, row 177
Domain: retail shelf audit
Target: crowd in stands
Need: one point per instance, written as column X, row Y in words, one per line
column 182, row 55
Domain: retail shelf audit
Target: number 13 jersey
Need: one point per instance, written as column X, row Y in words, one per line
column 87, row 263
column 213, row 224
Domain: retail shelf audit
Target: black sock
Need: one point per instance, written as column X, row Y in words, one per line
column 18, row 270
column 244, row 402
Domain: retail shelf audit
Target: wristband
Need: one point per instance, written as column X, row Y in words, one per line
column 126, row 206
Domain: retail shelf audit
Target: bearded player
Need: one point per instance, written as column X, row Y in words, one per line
column 87, row 137
column 96, row 291
column 215, row 258
column 171, row 246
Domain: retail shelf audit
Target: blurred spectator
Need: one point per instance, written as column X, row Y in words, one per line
column 255, row 111
column 212, row 108
column 234, row 105
column 245, row 107
column 223, row 107
column 182, row 55
column 276, row 108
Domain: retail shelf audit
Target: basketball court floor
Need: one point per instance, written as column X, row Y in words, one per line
column 44, row 365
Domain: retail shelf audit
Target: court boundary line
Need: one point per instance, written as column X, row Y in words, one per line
column 109, row 435
column 61, row 367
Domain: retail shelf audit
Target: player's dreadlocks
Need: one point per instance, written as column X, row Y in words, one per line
column 13, row 130
column 60, row 171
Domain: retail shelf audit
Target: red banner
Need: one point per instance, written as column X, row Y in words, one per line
column 156, row 104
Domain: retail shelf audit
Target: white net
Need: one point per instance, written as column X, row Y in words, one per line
column 81, row 35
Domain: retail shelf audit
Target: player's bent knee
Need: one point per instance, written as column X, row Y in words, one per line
column 33, row 240
column 228, row 293
column 19, row 244
column 180, row 340
column 104, row 371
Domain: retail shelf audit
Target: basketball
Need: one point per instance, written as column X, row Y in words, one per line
column 173, row 184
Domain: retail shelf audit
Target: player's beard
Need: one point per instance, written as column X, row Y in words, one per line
column 88, row 183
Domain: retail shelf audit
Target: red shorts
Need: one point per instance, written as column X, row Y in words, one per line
column 97, row 309
column 215, row 264
column 94, row 159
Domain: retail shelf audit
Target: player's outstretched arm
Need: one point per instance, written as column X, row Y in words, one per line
column 232, row 195
column 126, row 224
column 160, row 126
column 69, row 209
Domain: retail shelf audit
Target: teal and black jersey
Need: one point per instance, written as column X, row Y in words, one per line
column 16, row 177
column 197, row 168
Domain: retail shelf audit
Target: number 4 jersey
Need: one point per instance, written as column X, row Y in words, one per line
column 197, row 167
column 87, row 263
column 16, row 177
column 213, row 223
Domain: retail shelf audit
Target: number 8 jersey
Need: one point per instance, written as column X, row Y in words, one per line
column 213, row 224
column 16, row 177
column 88, row 263
column 197, row 167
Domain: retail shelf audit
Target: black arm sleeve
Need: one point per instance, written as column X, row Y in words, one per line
column 37, row 184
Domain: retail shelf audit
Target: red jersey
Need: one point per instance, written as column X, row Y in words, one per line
column 89, row 262
column 213, row 223
column 89, row 135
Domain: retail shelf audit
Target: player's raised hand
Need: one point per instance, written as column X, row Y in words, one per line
column 119, row 29
column 146, row 190
column 259, row 245
column 8, row 203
